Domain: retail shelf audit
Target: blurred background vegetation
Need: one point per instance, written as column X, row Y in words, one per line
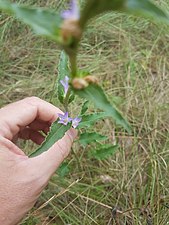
column 130, row 56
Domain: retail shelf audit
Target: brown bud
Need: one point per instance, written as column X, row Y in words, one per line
column 91, row 79
column 79, row 83
column 70, row 28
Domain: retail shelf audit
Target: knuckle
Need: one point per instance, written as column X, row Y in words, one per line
column 32, row 99
column 64, row 150
column 70, row 138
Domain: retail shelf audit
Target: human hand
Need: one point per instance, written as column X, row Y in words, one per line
column 22, row 179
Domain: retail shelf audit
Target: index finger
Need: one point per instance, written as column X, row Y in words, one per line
column 20, row 114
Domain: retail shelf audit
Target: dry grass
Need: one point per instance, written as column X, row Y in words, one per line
column 131, row 58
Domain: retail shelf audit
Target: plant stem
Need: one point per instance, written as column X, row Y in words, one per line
column 66, row 100
column 73, row 64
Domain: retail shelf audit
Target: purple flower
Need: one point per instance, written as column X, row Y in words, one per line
column 65, row 84
column 75, row 122
column 64, row 118
column 73, row 13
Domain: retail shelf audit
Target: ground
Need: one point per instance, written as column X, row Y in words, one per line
column 130, row 56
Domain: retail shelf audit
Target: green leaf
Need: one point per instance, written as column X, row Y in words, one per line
column 4, row 5
column 63, row 170
column 89, row 119
column 95, row 7
column 143, row 8
column 43, row 22
column 103, row 152
column 56, row 133
column 147, row 9
column 95, row 94
column 84, row 107
column 87, row 138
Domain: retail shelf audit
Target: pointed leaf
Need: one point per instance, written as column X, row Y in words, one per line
column 143, row 8
column 87, row 138
column 89, row 119
column 56, row 133
column 72, row 97
column 147, row 9
column 95, row 94
column 84, row 107
column 95, row 7
column 103, row 152
column 43, row 22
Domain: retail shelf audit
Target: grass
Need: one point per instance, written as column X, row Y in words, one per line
column 131, row 58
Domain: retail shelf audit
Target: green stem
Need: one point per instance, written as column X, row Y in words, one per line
column 73, row 64
column 66, row 100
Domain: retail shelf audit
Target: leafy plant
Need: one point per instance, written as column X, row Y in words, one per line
column 66, row 29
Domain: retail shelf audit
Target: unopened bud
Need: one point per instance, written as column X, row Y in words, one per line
column 91, row 79
column 79, row 83
column 70, row 28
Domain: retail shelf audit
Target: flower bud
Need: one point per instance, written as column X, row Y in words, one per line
column 79, row 83
column 91, row 79
column 70, row 28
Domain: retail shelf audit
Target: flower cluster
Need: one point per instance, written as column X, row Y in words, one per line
column 65, row 119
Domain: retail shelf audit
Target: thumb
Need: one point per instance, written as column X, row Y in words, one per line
column 50, row 160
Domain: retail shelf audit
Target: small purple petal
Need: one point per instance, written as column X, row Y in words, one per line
column 66, row 14
column 75, row 122
column 69, row 119
column 64, row 118
column 66, row 115
column 62, row 82
column 61, row 116
column 66, row 78
column 62, row 122
column 65, row 84
column 75, row 9
column 73, row 12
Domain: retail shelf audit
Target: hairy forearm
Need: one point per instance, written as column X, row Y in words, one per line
column 12, row 209
column 9, row 218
